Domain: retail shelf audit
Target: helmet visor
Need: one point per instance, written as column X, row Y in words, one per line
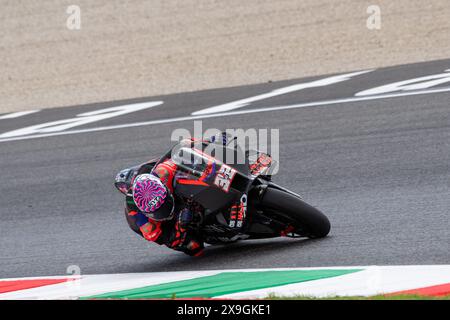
column 165, row 212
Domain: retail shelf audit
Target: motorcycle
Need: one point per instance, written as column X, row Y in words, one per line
column 212, row 179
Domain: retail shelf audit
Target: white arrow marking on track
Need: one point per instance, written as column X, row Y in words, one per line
column 296, row 87
column 18, row 114
column 421, row 83
column 81, row 119
column 231, row 113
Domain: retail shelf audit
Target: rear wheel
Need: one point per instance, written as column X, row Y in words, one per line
column 291, row 210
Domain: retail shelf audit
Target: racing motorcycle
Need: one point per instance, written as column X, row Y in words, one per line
column 266, row 209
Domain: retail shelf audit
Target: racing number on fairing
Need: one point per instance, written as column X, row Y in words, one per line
column 224, row 177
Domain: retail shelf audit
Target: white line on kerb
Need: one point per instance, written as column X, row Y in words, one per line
column 231, row 113
column 18, row 114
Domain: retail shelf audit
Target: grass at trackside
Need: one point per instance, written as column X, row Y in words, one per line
column 379, row 297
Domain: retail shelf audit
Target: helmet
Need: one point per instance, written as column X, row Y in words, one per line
column 152, row 197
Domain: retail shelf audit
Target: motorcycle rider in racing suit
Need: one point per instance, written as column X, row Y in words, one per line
column 159, row 216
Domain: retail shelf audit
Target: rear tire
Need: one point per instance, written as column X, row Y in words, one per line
column 312, row 222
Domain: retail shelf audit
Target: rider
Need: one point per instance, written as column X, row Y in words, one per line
column 159, row 215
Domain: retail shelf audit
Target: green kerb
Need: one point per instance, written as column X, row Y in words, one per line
column 223, row 283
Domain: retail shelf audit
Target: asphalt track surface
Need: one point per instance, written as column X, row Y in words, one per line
column 379, row 169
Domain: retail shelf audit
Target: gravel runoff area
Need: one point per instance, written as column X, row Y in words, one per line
column 137, row 48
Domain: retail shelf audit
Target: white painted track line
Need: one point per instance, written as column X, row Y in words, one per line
column 18, row 114
column 280, row 91
column 232, row 113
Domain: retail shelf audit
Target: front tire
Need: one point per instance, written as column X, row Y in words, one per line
column 306, row 219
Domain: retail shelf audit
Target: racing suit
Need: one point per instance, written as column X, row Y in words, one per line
column 176, row 232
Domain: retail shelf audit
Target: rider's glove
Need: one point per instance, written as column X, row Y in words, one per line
column 185, row 218
column 178, row 236
column 151, row 231
column 182, row 240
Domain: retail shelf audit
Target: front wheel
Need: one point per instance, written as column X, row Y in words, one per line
column 291, row 210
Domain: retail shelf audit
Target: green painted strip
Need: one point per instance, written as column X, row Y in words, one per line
column 224, row 283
